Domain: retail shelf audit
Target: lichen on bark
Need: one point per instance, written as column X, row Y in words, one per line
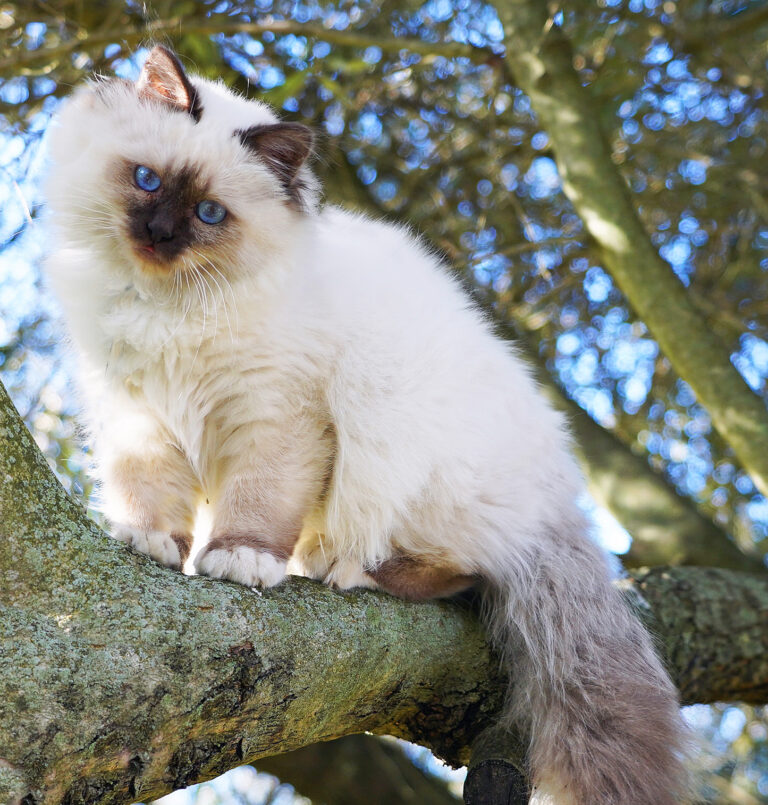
column 122, row 680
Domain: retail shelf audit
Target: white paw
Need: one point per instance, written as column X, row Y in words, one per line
column 241, row 564
column 346, row 574
column 160, row 545
column 310, row 559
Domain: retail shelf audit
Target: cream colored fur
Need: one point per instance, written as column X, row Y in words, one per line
column 318, row 371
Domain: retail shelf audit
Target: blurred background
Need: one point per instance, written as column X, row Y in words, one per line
column 419, row 120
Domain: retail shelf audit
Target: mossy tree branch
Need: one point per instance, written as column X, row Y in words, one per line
column 541, row 60
column 120, row 679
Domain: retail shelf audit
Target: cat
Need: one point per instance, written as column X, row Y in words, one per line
column 322, row 380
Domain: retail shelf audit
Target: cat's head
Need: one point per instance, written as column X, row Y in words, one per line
column 170, row 173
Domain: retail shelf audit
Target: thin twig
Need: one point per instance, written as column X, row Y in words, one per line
column 171, row 26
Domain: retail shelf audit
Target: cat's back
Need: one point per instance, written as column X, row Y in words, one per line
column 381, row 277
column 376, row 265
column 412, row 341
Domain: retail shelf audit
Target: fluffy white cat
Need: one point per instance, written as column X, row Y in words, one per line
column 321, row 380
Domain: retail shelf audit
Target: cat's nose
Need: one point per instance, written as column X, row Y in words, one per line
column 160, row 228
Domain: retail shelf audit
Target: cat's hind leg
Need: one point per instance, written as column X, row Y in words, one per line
column 150, row 493
column 418, row 578
column 316, row 560
column 409, row 576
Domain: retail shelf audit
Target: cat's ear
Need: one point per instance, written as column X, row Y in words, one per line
column 284, row 147
column 163, row 79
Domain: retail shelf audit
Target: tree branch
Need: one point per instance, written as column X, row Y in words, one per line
column 174, row 26
column 541, row 61
column 122, row 679
column 355, row 769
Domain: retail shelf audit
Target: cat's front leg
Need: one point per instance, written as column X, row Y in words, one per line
column 255, row 529
column 261, row 508
column 150, row 493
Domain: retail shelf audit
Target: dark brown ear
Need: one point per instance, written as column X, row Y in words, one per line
column 283, row 147
column 163, row 79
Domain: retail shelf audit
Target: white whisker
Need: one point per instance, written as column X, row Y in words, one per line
column 224, row 304
column 203, row 307
column 202, row 275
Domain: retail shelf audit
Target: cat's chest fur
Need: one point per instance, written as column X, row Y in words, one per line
column 201, row 370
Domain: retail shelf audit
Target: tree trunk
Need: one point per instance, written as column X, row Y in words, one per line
column 541, row 60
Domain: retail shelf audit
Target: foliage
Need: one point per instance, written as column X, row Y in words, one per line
column 422, row 121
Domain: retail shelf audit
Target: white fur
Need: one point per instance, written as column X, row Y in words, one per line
column 244, row 565
column 157, row 544
column 541, row 797
column 331, row 309
column 347, row 574
column 325, row 339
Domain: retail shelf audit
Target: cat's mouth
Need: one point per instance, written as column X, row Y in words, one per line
column 150, row 253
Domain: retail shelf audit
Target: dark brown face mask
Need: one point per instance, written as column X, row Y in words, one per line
column 160, row 220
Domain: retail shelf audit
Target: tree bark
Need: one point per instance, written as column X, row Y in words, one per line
column 541, row 61
column 121, row 679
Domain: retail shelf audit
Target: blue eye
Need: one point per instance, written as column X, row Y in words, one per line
column 146, row 178
column 210, row 212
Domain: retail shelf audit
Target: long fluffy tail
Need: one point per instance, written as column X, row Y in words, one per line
column 587, row 686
